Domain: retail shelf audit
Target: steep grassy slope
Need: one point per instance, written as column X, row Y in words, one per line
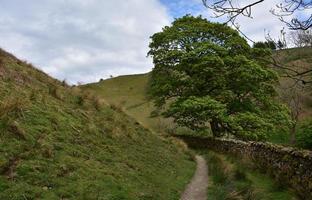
column 129, row 93
column 58, row 142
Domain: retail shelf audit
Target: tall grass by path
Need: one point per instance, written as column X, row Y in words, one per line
column 234, row 179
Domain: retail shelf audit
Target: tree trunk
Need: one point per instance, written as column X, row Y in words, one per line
column 215, row 128
column 293, row 134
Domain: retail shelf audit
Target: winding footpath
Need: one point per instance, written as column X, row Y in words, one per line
column 197, row 188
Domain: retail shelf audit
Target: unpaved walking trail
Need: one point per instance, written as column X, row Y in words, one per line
column 197, row 189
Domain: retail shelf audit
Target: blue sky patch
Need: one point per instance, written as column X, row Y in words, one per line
column 179, row 8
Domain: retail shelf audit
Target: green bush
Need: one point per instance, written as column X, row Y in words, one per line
column 1, row 62
column 304, row 136
column 54, row 91
column 80, row 100
column 264, row 45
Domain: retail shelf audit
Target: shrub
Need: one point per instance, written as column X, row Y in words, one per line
column 33, row 95
column 304, row 136
column 263, row 45
column 80, row 100
column 98, row 103
column 12, row 105
column 54, row 91
column 64, row 83
column 155, row 113
column 87, row 95
column 239, row 174
column 217, row 169
column 116, row 108
column 19, row 62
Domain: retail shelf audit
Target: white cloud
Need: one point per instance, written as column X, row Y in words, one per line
column 262, row 22
column 81, row 40
column 85, row 40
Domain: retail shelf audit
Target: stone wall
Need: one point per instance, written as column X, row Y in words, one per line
column 289, row 166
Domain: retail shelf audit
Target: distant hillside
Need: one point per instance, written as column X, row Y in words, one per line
column 58, row 142
column 129, row 92
column 295, row 56
column 299, row 59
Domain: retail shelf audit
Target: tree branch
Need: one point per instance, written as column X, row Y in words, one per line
column 283, row 9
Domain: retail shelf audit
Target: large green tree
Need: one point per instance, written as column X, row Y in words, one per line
column 206, row 76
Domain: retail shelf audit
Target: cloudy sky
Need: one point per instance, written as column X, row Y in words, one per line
column 85, row 40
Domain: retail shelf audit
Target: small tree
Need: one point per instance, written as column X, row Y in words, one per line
column 301, row 38
column 292, row 96
column 207, row 76
column 280, row 44
column 262, row 45
column 271, row 44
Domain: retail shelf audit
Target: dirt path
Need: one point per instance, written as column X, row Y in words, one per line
column 197, row 189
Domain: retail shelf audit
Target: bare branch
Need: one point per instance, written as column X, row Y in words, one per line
column 227, row 7
column 302, row 77
column 236, row 26
column 284, row 9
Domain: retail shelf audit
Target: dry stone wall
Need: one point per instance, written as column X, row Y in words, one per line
column 287, row 165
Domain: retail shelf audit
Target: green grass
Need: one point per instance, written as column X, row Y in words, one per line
column 129, row 93
column 228, row 180
column 233, row 179
column 58, row 142
column 287, row 56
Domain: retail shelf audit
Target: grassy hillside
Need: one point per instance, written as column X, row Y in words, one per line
column 129, row 93
column 295, row 55
column 57, row 142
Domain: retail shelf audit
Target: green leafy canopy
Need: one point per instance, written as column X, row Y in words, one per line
column 207, row 76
